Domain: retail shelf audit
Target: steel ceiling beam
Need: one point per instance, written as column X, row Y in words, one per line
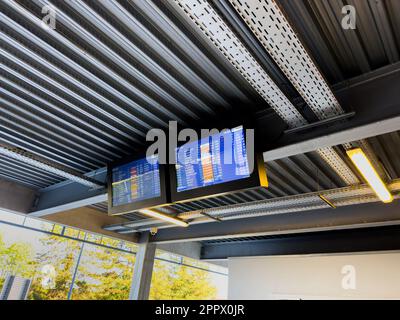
column 340, row 197
column 375, row 99
column 338, row 241
column 68, row 195
column 355, row 216
column 334, row 137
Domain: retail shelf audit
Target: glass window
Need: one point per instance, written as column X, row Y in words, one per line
column 110, row 242
column 94, row 238
column 54, row 267
column 58, row 229
column 71, row 232
column 129, row 246
column 11, row 217
column 38, row 224
column 172, row 281
column 103, row 274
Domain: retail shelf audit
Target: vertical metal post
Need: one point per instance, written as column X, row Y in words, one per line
column 143, row 269
column 71, row 287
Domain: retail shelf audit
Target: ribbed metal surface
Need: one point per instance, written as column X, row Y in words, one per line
column 340, row 53
column 247, row 239
column 14, row 170
column 102, row 206
column 387, row 150
column 301, row 174
column 86, row 93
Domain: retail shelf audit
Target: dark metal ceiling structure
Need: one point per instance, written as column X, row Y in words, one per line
column 342, row 54
column 298, row 175
column 86, row 93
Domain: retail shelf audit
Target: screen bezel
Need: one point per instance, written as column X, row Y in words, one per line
column 163, row 199
column 256, row 179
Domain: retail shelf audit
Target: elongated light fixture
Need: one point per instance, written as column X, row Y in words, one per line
column 164, row 217
column 370, row 175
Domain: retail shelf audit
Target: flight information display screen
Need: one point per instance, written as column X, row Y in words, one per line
column 135, row 181
column 213, row 160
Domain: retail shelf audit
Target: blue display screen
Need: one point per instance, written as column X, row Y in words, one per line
column 216, row 159
column 135, row 181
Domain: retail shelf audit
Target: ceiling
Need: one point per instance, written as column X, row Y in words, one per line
column 342, row 54
column 86, row 93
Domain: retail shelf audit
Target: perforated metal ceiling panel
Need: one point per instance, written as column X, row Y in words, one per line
column 270, row 26
column 337, row 164
column 231, row 47
column 311, row 84
column 268, row 23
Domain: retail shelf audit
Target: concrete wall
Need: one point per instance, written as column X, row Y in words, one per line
column 90, row 220
column 16, row 197
column 187, row 249
column 353, row 276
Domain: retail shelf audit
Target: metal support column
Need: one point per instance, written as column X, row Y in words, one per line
column 71, row 287
column 143, row 269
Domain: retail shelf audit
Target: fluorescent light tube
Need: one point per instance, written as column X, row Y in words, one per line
column 369, row 173
column 164, row 217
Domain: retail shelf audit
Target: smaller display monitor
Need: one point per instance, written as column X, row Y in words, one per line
column 213, row 165
column 136, row 184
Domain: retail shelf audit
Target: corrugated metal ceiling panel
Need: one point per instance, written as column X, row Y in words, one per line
column 86, row 93
column 341, row 53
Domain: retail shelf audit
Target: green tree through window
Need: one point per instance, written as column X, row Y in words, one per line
column 178, row 282
column 103, row 274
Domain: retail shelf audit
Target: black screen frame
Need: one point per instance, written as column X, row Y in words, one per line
column 258, row 178
column 162, row 200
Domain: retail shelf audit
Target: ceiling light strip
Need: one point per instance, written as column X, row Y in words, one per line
column 164, row 217
column 369, row 173
column 369, row 152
